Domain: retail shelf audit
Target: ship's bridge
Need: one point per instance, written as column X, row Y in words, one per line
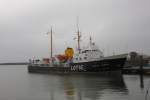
column 89, row 53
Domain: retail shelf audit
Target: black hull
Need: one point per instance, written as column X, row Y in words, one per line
column 106, row 65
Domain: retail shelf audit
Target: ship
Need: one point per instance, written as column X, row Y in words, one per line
column 89, row 59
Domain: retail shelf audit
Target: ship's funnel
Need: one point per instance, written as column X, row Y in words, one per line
column 69, row 52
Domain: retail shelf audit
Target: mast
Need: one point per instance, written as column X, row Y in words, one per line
column 78, row 40
column 51, row 36
column 51, row 43
column 78, row 35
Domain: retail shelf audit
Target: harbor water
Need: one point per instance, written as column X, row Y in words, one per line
column 17, row 84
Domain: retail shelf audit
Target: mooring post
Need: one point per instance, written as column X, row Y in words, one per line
column 141, row 72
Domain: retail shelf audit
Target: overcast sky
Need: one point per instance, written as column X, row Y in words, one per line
column 117, row 26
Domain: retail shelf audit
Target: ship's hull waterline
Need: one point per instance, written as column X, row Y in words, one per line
column 104, row 66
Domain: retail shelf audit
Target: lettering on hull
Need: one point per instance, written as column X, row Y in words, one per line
column 78, row 68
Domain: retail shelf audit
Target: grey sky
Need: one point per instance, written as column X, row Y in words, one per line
column 115, row 25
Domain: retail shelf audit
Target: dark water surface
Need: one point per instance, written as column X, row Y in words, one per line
column 17, row 84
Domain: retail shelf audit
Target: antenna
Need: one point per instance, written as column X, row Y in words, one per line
column 77, row 23
column 90, row 40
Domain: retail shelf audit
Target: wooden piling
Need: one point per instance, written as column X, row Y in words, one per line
column 141, row 72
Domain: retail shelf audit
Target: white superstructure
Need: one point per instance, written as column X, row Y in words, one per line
column 90, row 53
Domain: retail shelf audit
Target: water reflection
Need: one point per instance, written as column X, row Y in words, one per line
column 87, row 87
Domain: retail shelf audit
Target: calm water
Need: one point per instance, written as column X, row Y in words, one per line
column 17, row 84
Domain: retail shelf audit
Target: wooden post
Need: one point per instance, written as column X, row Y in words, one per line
column 141, row 72
column 141, row 64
